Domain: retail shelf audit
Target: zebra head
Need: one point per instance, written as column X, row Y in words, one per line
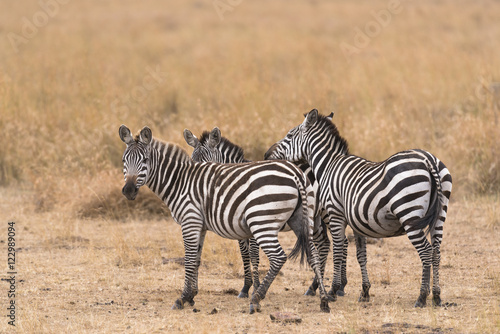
column 135, row 160
column 295, row 146
column 208, row 150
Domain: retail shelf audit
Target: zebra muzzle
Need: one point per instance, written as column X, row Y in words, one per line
column 130, row 191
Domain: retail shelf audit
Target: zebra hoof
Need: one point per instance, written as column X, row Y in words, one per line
column 178, row 305
column 243, row 295
column 436, row 301
column 310, row 292
column 332, row 296
column 340, row 293
column 420, row 303
column 254, row 308
column 324, row 306
column 364, row 299
column 191, row 302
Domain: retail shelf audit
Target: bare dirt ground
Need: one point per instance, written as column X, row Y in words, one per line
column 106, row 276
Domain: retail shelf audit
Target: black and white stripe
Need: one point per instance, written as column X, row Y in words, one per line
column 213, row 147
column 406, row 194
column 237, row 201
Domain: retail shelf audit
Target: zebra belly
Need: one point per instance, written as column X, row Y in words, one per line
column 388, row 227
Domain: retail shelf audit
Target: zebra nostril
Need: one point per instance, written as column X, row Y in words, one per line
column 129, row 190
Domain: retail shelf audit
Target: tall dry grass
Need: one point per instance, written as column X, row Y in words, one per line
column 419, row 83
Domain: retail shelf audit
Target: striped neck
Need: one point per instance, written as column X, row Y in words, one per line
column 169, row 165
column 323, row 144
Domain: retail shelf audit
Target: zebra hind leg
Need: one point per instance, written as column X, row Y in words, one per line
column 436, row 238
column 322, row 244
column 245, row 256
column 277, row 259
column 254, row 257
column 424, row 249
column 436, row 289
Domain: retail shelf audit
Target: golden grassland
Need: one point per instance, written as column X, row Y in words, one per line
column 428, row 78
column 108, row 276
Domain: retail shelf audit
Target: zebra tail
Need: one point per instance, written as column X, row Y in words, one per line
column 429, row 220
column 302, row 244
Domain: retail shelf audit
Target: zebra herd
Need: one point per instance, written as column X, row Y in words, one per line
column 308, row 183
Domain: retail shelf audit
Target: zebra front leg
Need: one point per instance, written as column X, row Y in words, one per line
column 198, row 263
column 343, row 279
column 337, row 230
column 191, row 236
column 361, row 256
column 245, row 256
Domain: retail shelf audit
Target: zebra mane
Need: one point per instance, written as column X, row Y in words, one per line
column 224, row 146
column 329, row 127
column 171, row 150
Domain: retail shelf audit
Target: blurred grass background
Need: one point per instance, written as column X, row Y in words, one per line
column 425, row 80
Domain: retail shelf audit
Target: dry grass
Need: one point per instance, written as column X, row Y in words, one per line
column 107, row 276
column 426, row 80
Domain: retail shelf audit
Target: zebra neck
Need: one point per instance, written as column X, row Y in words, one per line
column 323, row 155
column 170, row 168
column 231, row 153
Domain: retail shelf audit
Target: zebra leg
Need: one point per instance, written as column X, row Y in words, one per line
column 436, row 289
column 314, row 262
column 322, row 243
column 337, row 230
column 245, row 256
column 361, row 256
column 424, row 249
column 191, row 235
column 343, row 279
column 436, row 238
column 198, row 262
column 304, row 230
column 277, row 258
column 254, row 257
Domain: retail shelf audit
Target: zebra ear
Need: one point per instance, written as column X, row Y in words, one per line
column 125, row 135
column 214, row 138
column 146, row 135
column 311, row 118
column 190, row 138
column 330, row 117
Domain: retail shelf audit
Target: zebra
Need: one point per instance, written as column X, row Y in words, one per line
column 234, row 201
column 406, row 194
column 213, row 147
